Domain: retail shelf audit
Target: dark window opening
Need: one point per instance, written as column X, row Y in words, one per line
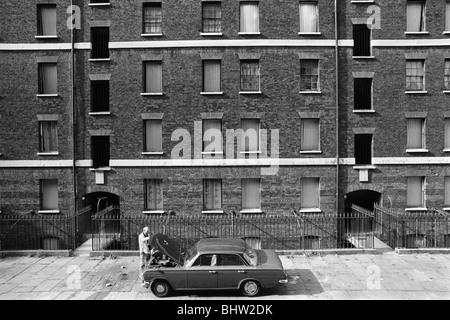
column 100, row 151
column 363, row 93
column 100, row 96
column 361, row 38
column 100, row 42
column 363, row 149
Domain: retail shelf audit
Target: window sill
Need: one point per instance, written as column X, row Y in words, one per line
column 100, row 113
column 311, row 210
column 250, row 92
column 416, row 209
column 311, row 152
column 55, row 153
column 309, row 33
column 101, row 169
column 213, row 153
column 218, row 93
column 416, row 92
column 152, row 94
column 417, row 150
column 416, row 32
column 446, row 91
column 158, row 153
column 446, row 32
column 100, row 60
column 50, row 95
column 106, row 4
column 250, row 152
column 445, row 150
column 363, row 57
column 311, row 92
column 146, row 35
column 246, row 211
column 46, row 37
column 364, row 167
column 211, row 34
column 153, row 212
column 212, row 211
column 249, row 33
column 445, row 209
column 362, row 2
column 364, row 111
column 49, row 211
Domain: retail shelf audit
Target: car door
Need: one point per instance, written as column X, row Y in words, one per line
column 203, row 273
column 231, row 270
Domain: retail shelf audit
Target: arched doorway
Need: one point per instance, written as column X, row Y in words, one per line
column 99, row 201
column 362, row 198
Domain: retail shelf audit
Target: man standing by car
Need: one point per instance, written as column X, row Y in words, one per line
column 145, row 253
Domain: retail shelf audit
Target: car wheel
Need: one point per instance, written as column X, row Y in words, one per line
column 161, row 288
column 250, row 288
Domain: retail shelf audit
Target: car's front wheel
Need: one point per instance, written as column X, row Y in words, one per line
column 250, row 288
column 161, row 288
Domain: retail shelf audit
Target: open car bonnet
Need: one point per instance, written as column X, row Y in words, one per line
column 168, row 247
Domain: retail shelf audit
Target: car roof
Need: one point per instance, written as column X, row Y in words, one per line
column 219, row 245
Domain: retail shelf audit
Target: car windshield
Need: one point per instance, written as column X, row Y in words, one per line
column 190, row 254
column 251, row 257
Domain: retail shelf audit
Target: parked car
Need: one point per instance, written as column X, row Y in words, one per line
column 213, row 264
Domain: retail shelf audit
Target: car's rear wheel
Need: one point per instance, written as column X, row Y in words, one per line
column 250, row 288
column 161, row 288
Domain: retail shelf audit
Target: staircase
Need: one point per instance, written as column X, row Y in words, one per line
column 83, row 250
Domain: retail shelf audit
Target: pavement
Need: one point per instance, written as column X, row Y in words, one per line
column 386, row 276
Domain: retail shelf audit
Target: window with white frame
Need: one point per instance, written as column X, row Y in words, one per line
column 251, row 194
column 415, row 192
column 212, row 136
column 250, row 76
column 447, row 16
column 152, row 18
column 212, row 76
column 250, row 136
column 153, row 195
column 46, row 20
column 211, row 17
column 309, row 75
column 415, row 75
column 48, row 79
column 415, row 134
column 447, row 134
column 309, row 17
column 212, row 194
column 153, row 77
column 447, row 75
column 49, row 194
column 447, row 191
column 310, row 193
column 48, row 137
column 153, row 136
column 310, row 135
column 249, row 17
column 415, row 16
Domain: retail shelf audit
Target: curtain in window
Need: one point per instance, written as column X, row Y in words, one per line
column 211, row 76
column 309, row 75
column 309, row 17
column 212, row 14
column 415, row 16
column 447, row 133
column 415, row 196
column 47, row 20
column 415, row 134
column 49, row 194
column 48, row 136
column 153, row 77
column 447, row 16
column 154, row 194
column 310, row 135
column 250, row 137
column 48, row 78
column 251, row 194
column 152, row 19
column 447, row 191
column 310, row 193
column 414, row 75
column 153, row 136
column 212, row 196
column 249, row 17
column 212, row 129
column 250, row 75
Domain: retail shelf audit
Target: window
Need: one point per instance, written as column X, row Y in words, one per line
column 153, row 136
column 100, row 96
column 309, row 17
column 447, row 75
column 447, row 16
column 212, row 136
column 153, row 189
column 415, row 75
column 212, row 194
column 100, row 42
column 250, row 137
column 363, row 93
column 310, row 193
column 152, row 18
column 249, row 17
column 100, row 151
column 206, row 260
column 48, row 79
column 310, row 136
column 415, row 192
column 47, row 20
column 251, row 194
column 363, row 149
column 415, row 16
column 250, row 76
column 212, row 17
column 447, row 134
column 48, row 137
column 229, row 260
column 309, row 75
column 49, row 194
column 153, row 77
column 415, row 134
column 211, row 76
column 447, row 191
column 361, row 40
column 311, row 242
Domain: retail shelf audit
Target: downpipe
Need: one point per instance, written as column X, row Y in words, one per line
column 336, row 34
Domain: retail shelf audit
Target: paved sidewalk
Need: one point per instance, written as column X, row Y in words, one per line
column 329, row 277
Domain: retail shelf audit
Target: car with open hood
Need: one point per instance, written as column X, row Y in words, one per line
column 212, row 264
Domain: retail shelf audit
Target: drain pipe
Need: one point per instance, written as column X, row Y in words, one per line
column 336, row 34
column 74, row 177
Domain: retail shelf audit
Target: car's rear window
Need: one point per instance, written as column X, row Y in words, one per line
column 251, row 257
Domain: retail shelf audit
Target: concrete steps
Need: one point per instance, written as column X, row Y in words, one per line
column 84, row 250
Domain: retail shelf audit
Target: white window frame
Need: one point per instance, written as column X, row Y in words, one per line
column 304, row 209
column 248, row 33
column 305, row 90
column 212, row 210
column 250, row 210
column 424, row 16
column 156, row 183
column 422, row 207
column 423, row 90
column 160, row 143
column 43, row 152
column 317, row 31
column 423, row 148
column 42, row 209
column 318, row 150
